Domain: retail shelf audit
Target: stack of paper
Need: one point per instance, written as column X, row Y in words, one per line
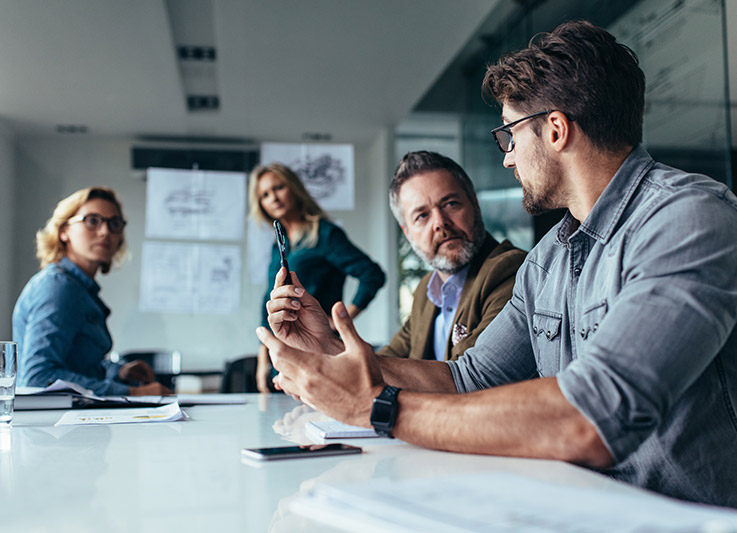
column 66, row 395
column 503, row 503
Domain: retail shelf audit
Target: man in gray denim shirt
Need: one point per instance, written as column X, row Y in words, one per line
column 618, row 349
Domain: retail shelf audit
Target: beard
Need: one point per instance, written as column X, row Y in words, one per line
column 537, row 202
column 468, row 248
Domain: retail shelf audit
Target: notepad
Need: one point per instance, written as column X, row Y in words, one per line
column 332, row 429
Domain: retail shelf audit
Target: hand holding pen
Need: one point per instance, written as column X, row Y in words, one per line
column 281, row 243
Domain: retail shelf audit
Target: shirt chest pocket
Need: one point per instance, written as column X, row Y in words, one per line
column 546, row 341
column 590, row 320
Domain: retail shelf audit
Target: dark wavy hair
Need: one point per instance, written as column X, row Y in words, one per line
column 581, row 70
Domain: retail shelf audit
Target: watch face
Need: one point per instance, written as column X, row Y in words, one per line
column 381, row 412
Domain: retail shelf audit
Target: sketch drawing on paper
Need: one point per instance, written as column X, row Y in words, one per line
column 189, row 201
column 321, row 175
column 221, row 273
column 327, row 170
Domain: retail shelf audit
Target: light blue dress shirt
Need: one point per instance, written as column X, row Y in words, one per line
column 59, row 325
column 634, row 312
column 445, row 295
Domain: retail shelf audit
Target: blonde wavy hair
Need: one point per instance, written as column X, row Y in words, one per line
column 309, row 212
column 50, row 249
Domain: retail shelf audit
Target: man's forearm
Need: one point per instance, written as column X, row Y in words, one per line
column 528, row 419
column 417, row 375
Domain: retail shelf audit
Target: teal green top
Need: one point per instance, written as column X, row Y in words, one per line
column 323, row 268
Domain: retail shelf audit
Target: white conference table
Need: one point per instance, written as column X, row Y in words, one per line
column 189, row 476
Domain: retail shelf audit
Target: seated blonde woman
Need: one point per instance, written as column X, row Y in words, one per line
column 59, row 320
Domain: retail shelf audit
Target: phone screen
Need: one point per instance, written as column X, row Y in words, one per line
column 290, row 452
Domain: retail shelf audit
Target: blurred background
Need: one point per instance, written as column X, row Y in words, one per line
column 94, row 91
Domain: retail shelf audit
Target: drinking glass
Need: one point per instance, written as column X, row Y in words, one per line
column 8, row 365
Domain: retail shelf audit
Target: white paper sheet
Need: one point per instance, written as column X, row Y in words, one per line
column 260, row 240
column 190, row 204
column 503, row 502
column 137, row 415
column 192, row 399
column 327, row 170
column 190, row 278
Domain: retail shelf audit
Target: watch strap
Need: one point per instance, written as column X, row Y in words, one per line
column 384, row 411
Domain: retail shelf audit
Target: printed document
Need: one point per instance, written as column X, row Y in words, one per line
column 137, row 415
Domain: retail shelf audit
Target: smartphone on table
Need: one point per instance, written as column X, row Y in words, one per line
column 281, row 244
column 293, row 452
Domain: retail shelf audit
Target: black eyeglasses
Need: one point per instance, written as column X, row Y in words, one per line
column 503, row 134
column 92, row 221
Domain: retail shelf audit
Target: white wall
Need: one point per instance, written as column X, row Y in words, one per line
column 7, row 211
column 49, row 169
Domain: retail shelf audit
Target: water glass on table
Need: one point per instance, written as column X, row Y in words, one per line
column 8, row 366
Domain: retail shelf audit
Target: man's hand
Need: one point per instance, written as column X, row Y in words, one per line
column 297, row 319
column 263, row 370
column 342, row 386
column 136, row 371
column 151, row 389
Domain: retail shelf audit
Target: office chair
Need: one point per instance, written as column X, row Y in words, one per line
column 240, row 375
column 167, row 365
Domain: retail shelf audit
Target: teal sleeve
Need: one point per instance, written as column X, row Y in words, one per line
column 347, row 257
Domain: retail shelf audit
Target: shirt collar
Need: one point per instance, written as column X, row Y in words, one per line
column 435, row 285
column 608, row 209
column 71, row 268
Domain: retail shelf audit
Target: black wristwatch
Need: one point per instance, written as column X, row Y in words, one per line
column 384, row 411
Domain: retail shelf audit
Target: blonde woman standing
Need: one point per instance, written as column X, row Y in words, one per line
column 318, row 251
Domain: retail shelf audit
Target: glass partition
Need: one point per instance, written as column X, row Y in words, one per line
column 686, row 124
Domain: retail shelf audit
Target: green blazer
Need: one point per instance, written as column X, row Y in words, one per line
column 487, row 289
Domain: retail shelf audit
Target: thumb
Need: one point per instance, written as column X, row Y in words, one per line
column 295, row 280
column 281, row 276
column 344, row 324
column 268, row 339
column 283, row 358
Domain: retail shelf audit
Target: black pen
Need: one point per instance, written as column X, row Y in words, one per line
column 281, row 243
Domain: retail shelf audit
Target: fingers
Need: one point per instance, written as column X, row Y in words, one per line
column 137, row 371
column 145, row 372
column 283, row 383
column 344, row 325
column 283, row 305
column 281, row 276
column 283, row 358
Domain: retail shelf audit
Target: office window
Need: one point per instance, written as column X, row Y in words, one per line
column 687, row 109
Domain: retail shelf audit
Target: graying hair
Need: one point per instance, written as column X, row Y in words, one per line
column 414, row 163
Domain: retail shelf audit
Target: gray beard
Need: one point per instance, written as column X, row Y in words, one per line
column 469, row 249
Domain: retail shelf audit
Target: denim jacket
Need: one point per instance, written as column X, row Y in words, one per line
column 59, row 325
column 634, row 312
